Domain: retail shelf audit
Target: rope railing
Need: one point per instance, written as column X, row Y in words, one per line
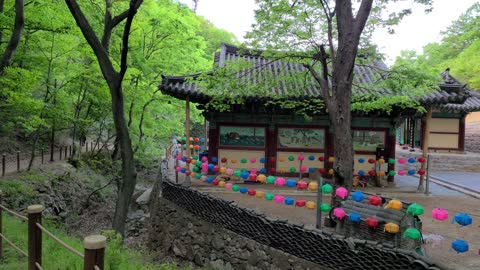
column 24, row 218
column 19, row 250
column 63, row 244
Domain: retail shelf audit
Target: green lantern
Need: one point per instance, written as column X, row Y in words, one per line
column 195, row 157
column 292, row 169
column 412, row 233
column 325, row 207
column 291, row 158
column 391, row 161
column 198, row 175
column 415, row 209
column 391, row 173
column 243, row 160
column 270, row 179
column 237, row 173
column 269, row 196
column 327, row 189
column 235, row 187
column 195, row 169
column 184, row 146
column 184, row 139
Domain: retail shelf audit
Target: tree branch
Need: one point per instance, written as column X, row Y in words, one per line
column 134, row 5
column 362, row 15
column 329, row 15
column 16, row 36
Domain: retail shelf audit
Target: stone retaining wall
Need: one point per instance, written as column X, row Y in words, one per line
column 176, row 231
column 469, row 162
column 472, row 137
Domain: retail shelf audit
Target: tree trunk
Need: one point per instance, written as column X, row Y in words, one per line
column 128, row 163
column 425, row 144
column 16, row 36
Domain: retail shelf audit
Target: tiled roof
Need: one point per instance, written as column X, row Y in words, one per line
column 183, row 86
column 471, row 104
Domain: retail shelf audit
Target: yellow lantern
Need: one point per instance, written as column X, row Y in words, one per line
column 193, row 162
column 223, row 170
column 259, row 194
column 282, row 159
column 191, row 139
column 331, row 159
column 282, row 170
column 381, row 161
column 261, row 178
column 394, row 204
column 391, row 228
column 330, row 171
column 233, row 160
column 190, row 146
column 221, row 183
column 310, row 205
column 313, row 186
column 381, row 173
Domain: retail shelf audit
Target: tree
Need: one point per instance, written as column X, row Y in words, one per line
column 16, row 35
column 114, row 81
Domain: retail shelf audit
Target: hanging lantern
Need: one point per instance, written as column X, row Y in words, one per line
column 262, row 160
column 375, row 200
column 243, row 160
column 421, row 160
column 272, row 159
column 263, row 170
column 253, row 160
column 244, row 175
column 251, row 192
column 391, row 161
column 391, row 173
column 303, row 168
column 183, row 170
column 197, row 139
column 411, row 172
column 371, row 160
column 178, row 169
column 269, row 196
column 439, row 214
column 252, row 177
column 354, row 217
column 391, row 228
column 214, row 182
column 236, row 187
column 223, row 170
column 341, row 192
column 233, row 161
column 302, row 184
column 278, row 198
column 339, row 213
column 371, row 222
column 313, row 186
column 401, row 172
column 310, row 205
column 381, row 173
column 311, row 157
column 195, row 169
column 361, row 172
column 280, row 182
column 412, row 233
column 311, row 170
column 243, row 190
column 381, row 161
column 214, row 159
column 411, row 160
column 221, row 184
column 224, row 160
column 325, row 208
column 358, row 196
column 331, row 159
column 460, row 246
column 197, row 147
column 371, row 173
column 291, row 158
column 178, row 157
column 300, row 203
column 204, row 178
column 321, row 170
column 289, row 201
column 273, row 170
column 270, row 179
column 216, row 168
column 401, row 161
column 194, row 162
column 260, row 194
column 190, row 146
column 189, row 160
column 292, row 169
column 421, row 172
column 237, row 173
column 191, row 139
column 321, row 158
column 330, row 171
column 211, row 167
column 462, row 219
column 228, row 186
column 282, row 159
column 415, row 209
column 327, row 189
column 209, row 180
column 361, row 160
column 291, row 183
column 187, row 173
column 261, row 178
column 301, row 157
column 394, row 204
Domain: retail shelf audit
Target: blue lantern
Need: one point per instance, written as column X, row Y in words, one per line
column 209, row 180
column 462, row 219
column 244, row 175
column 358, row 196
column 263, row 170
column 312, row 157
column 311, row 170
column 361, row 172
column 183, row 170
column 291, row 183
column 361, row 160
column 262, row 160
column 202, row 147
column 354, row 217
column 210, row 167
column 184, row 159
column 411, row 172
column 214, row 159
column 243, row 190
column 289, row 201
column 460, row 246
column 202, row 139
column 411, row 160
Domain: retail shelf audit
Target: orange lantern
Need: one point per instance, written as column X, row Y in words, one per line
column 394, row 204
column 310, row 205
column 260, row 194
column 190, row 146
column 281, row 159
column 221, row 183
column 233, row 161
column 313, row 186
column 223, row 170
column 381, row 173
column 330, row 171
column 261, row 178
column 381, row 161
column 331, row 159
column 391, row 228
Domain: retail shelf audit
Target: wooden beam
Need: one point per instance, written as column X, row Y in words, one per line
column 425, row 144
column 187, row 125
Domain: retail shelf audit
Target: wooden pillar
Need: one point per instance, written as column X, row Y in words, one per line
column 271, row 148
column 34, row 236
column 329, row 151
column 213, row 140
column 205, row 129
column 94, row 246
column 187, row 125
column 461, row 134
column 390, row 144
column 425, row 144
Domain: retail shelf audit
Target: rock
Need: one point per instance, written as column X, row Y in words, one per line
column 218, row 264
column 217, row 242
column 145, row 197
column 136, row 215
column 197, row 259
column 179, row 249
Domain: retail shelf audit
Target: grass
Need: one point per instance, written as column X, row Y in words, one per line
column 55, row 257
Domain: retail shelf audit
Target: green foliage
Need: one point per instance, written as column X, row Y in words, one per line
column 117, row 257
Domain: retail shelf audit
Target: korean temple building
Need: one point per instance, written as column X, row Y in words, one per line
column 253, row 130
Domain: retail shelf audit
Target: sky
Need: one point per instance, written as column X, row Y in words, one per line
column 414, row 32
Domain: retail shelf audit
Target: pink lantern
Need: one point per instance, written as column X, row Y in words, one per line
column 230, row 171
column 301, row 157
column 205, row 169
column 401, row 172
column 302, row 184
column 204, row 159
column 303, row 168
column 439, row 214
column 401, row 161
column 278, row 199
column 179, row 157
column 341, row 192
column 339, row 213
column 253, row 170
column 253, row 160
column 216, row 168
column 178, row 169
column 228, row 186
column 280, row 182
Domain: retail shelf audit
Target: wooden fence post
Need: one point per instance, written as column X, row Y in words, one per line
column 94, row 252
column 3, row 164
column 60, row 153
column 70, row 150
column 18, row 161
column 42, row 153
column 34, row 236
column 66, row 152
column 86, row 147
